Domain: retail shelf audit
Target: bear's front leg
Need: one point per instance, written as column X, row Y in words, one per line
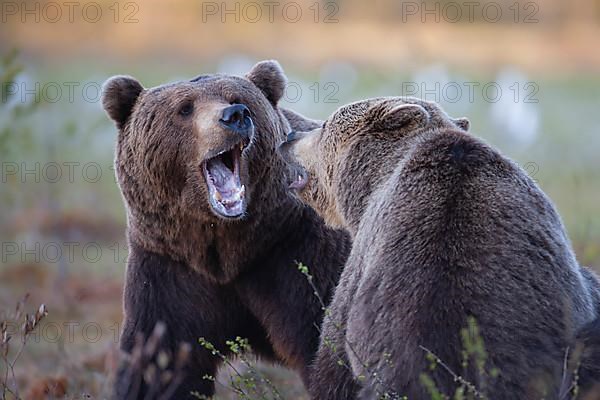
column 168, row 361
column 331, row 377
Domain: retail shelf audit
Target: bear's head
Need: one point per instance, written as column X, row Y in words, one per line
column 192, row 142
column 339, row 164
column 197, row 164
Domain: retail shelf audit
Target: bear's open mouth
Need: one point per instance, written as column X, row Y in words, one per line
column 300, row 179
column 225, row 190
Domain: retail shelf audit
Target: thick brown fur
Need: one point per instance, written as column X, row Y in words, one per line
column 445, row 228
column 200, row 274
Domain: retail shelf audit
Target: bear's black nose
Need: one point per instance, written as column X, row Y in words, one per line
column 237, row 118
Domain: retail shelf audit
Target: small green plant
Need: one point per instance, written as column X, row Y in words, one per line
column 431, row 388
column 473, row 350
column 244, row 384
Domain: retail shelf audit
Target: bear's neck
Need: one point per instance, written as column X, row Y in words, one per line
column 218, row 249
column 363, row 171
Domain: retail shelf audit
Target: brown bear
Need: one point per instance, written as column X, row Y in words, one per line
column 213, row 232
column 452, row 241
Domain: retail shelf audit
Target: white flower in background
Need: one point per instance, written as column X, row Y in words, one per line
column 514, row 114
column 435, row 83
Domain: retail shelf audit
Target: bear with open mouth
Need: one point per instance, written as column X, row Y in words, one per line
column 214, row 234
column 453, row 244
column 222, row 171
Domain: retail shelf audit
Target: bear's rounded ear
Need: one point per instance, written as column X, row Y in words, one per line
column 463, row 123
column 400, row 117
column 119, row 95
column 268, row 76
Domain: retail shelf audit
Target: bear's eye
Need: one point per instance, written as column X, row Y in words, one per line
column 186, row 109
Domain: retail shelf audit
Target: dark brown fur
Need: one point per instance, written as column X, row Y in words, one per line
column 202, row 275
column 444, row 228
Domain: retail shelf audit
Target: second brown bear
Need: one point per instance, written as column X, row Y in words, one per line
column 459, row 260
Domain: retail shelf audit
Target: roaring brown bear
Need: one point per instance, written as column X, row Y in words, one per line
column 453, row 245
column 214, row 234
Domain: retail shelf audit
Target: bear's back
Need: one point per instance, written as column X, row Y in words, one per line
column 458, row 230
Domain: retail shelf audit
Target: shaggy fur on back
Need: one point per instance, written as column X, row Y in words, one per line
column 446, row 231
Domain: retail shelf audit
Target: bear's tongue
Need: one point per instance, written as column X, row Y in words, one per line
column 223, row 179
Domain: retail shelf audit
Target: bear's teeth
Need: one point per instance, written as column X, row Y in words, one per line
column 242, row 146
column 218, row 196
column 242, row 191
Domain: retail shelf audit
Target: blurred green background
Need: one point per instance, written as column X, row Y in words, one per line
column 526, row 73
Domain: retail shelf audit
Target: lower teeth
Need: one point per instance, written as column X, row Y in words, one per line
column 234, row 198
